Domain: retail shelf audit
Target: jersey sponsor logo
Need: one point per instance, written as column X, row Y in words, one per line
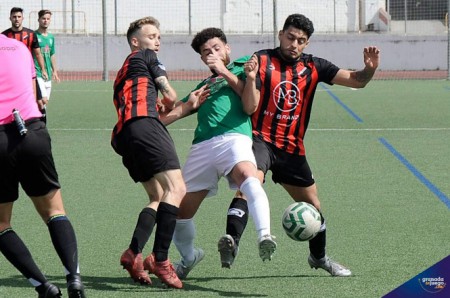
column 286, row 96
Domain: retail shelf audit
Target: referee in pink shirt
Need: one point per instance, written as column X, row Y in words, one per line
column 26, row 159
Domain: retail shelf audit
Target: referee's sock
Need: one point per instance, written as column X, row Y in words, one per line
column 64, row 241
column 16, row 252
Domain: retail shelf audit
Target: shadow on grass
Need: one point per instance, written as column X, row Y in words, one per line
column 124, row 284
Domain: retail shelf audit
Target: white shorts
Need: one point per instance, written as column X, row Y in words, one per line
column 212, row 159
column 45, row 87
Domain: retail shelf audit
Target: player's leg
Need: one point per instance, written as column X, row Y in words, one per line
column 245, row 174
column 174, row 189
column 295, row 175
column 185, row 232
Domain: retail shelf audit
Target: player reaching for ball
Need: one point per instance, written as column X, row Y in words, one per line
column 282, row 81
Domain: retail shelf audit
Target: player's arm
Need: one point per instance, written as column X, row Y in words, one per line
column 250, row 95
column 169, row 94
column 217, row 66
column 54, row 69
column 183, row 109
column 360, row 78
column 40, row 59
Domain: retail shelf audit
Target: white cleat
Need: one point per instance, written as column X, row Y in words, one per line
column 327, row 264
column 267, row 247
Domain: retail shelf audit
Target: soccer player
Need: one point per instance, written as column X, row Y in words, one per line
column 25, row 35
column 283, row 82
column 26, row 159
column 47, row 47
column 222, row 148
column 146, row 148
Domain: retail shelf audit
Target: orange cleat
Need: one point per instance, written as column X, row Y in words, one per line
column 134, row 265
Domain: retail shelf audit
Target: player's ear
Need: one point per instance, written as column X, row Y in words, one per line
column 134, row 42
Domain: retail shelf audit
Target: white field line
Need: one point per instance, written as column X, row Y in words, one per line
column 310, row 129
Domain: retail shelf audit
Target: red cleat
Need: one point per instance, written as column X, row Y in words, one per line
column 166, row 273
column 134, row 265
column 149, row 263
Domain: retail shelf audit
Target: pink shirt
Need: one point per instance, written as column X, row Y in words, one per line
column 16, row 85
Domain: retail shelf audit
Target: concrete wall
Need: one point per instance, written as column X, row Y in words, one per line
column 398, row 52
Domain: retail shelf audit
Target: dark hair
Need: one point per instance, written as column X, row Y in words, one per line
column 16, row 9
column 301, row 22
column 206, row 34
column 136, row 25
column 43, row 12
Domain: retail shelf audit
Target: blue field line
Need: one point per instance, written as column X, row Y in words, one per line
column 343, row 105
column 441, row 196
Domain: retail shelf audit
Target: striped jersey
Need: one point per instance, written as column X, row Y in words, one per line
column 27, row 36
column 135, row 90
column 286, row 95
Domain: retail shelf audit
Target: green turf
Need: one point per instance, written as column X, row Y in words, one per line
column 382, row 222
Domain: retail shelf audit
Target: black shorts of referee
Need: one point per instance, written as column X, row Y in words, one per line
column 26, row 160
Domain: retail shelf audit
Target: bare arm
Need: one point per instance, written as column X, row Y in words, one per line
column 183, row 109
column 54, row 69
column 169, row 95
column 360, row 78
column 250, row 95
column 40, row 59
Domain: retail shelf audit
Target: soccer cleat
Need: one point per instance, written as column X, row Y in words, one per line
column 149, row 263
column 135, row 267
column 48, row 290
column 267, row 247
column 335, row 269
column 228, row 250
column 166, row 273
column 183, row 270
column 75, row 287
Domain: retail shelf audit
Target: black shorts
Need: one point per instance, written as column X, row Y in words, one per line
column 146, row 148
column 286, row 168
column 27, row 160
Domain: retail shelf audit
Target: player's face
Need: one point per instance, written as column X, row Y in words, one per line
column 217, row 48
column 292, row 43
column 147, row 38
column 44, row 21
column 16, row 20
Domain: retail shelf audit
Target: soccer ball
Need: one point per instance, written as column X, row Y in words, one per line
column 301, row 221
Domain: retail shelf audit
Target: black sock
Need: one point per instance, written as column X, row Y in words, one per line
column 237, row 218
column 165, row 225
column 318, row 243
column 64, row 241
column 143, row 230
column 16, row 252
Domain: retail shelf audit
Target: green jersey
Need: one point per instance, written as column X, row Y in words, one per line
column 47, row 46
column 222, row 112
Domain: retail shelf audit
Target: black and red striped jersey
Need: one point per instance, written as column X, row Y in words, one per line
column 27, row 36
column 286, row 95
column 135, row 90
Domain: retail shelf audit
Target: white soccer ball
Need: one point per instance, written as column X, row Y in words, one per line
column 301, row 221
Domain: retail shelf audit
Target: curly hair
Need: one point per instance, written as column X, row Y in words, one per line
column 205, row 35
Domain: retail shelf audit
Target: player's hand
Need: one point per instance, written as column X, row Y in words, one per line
column 56, row 77
column 216, row 64
column 44, row 75
column 251, row 67
column 198, row 97
column 372, row 57
column 42, row 103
